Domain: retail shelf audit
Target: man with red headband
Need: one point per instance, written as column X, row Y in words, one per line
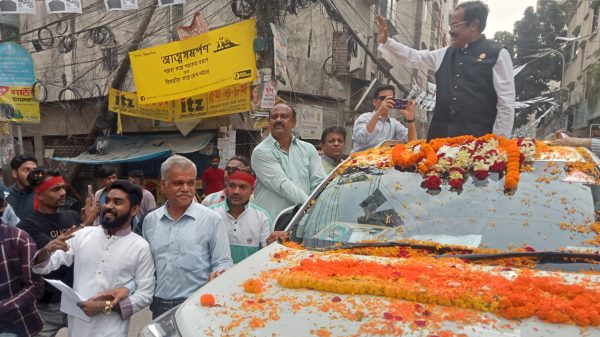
column 248, row 226
column 47, row 223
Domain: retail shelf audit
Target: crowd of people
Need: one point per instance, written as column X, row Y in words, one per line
column 123, row 253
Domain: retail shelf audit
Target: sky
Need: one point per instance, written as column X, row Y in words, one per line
column 504, row 13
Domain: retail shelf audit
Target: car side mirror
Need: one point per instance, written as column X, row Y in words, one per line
column 285, row 216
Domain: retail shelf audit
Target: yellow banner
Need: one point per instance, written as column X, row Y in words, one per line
column 126, row 103
column 17, row 104
column 196, row 65
column 225, row 101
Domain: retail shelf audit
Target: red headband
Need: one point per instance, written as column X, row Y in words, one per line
column 242, row 175
column 47, row 184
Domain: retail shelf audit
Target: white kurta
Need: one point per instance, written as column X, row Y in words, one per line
column 105, row 262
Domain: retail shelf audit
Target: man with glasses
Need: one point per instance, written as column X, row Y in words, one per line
column 249, row 227
column 372, row 128
column 474, row 76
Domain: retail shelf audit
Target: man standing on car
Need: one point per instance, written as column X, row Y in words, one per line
column 47, row 223
column 20, row 195
column 106, row 259
column 372, row 128
column 474, row 76
column 188, row 241
column 288, row 169
column 249, row 227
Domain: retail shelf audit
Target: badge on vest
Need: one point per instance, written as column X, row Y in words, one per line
column 481, row 57
column 249, row 241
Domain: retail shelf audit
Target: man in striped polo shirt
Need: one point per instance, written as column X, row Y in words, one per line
column 249, row 227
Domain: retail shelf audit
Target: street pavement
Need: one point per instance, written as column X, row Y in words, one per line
column 138, row 321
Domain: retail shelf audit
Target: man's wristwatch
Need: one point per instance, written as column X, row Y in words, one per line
column 409, row 120
column 107, row 308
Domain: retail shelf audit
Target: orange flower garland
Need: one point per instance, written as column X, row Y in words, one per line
column 476, row 155
column 451, row 283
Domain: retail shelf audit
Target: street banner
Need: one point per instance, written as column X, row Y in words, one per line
column 16, row 65
column 280, row 54
column 120, row 5
column 126, row 103
column 225, row 101
column 197, row 27
column 63, row 6
column 197, row 65
column 263, row 96
column 17, row 7
column 18, row 105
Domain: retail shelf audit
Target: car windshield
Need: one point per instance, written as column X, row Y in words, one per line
column 388, row 205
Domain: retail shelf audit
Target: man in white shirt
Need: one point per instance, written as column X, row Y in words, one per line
column 372, row 128
column 474, row 76
column 249, row 227
column 105, row 259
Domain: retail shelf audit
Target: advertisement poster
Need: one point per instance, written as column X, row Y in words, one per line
column 280, row 46
column 197, row 65
column 17, row 7
column 126, row 103
column 63, row 6
column 17, row 104
column 225, row 101
column 120, row 5
column 311, row 122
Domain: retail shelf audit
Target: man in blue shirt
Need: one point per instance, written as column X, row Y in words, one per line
column 288, row 169
column 188, row 241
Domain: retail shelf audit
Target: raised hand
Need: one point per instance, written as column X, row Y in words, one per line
column 382, row 31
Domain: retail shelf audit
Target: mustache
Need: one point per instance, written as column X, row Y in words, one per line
column 184, row 194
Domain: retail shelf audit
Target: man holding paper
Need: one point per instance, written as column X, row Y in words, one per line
column 105, row 260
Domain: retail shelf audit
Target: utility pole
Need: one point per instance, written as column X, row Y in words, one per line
column 331, row 8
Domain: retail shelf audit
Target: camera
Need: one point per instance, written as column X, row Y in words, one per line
column 400, row 103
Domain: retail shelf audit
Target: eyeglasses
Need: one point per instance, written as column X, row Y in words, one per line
column 454, row 25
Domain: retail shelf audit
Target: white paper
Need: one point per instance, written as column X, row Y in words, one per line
column 472, row 241
column 69, row 300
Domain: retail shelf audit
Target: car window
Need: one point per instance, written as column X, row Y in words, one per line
column 370, row 204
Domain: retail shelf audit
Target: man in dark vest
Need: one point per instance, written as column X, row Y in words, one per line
column 474, row 76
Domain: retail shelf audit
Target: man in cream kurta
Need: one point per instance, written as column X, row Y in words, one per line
column 106, row 259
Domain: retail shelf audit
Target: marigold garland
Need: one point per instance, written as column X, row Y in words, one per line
column 452, row 284
column 479, row 156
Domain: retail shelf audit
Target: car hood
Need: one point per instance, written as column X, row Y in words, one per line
column 278, row 311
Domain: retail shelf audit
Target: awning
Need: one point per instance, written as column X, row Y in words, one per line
column 128, row 148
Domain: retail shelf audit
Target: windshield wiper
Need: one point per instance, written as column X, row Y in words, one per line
column 431, row 248
column 544, row 256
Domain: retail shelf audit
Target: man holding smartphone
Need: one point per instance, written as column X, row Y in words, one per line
column 372, row 128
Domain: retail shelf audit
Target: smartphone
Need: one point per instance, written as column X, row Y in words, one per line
column 400, row 103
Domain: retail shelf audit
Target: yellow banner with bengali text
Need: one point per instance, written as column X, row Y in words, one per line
column 197, row 65
column 126, row 103
column 225, row 101
column 18, row 105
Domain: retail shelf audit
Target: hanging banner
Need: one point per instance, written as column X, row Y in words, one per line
column 16, row 65
column 263, row 96
column 120, row 5
column 225, row 101
column 280, row 54
column 63, row 6
column 18, row 105
column 197, row 27
column 17, row 7
column 126, row 103
column 196, row 65
column 164, row 3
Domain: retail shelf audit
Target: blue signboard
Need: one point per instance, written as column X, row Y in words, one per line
column 16, row 65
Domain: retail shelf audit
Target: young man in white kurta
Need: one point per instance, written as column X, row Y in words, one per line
column 104, row 262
